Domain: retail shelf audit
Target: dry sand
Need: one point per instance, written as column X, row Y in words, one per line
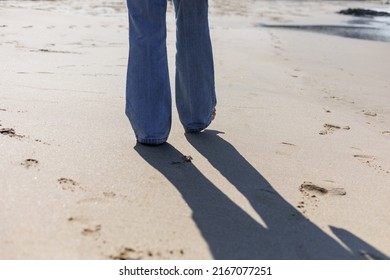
column 295, row 166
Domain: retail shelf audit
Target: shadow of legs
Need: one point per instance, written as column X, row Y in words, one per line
column 358, row 246
column 296, row 237
column 229, row 231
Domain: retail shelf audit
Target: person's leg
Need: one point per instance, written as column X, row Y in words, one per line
column 195, row 86
column 148, row 94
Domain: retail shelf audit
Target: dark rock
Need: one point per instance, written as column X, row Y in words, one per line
column 364, row 13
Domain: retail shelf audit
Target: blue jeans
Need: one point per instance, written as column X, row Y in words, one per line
column 148, row 92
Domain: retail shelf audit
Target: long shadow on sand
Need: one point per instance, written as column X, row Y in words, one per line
column 228, row 230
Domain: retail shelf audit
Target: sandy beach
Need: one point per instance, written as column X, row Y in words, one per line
column 296, row 164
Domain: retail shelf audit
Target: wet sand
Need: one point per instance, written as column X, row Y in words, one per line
column 295, row 166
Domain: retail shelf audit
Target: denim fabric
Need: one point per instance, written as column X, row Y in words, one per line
column 148, row 92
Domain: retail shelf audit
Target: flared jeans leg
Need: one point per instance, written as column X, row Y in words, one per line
column 148, row 93
column 194, row 83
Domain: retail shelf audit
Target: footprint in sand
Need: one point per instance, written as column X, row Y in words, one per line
column 331, row 128
column 370, row 161
column 386, row 132
column 42, row 142
column 309, row 187
column 67, row 181
column 69, row 185
column 10, row 132
column 312, row 193
column 369, row 113
column 52, row 51
column 107, row 196
column 30, row 162
column 77, row 219
column 128, row 253
column 91, row 231
column 364, row 158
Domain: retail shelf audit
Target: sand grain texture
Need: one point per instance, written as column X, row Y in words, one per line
column 74, row 185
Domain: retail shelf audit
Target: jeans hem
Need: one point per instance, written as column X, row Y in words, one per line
column 152, row 142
